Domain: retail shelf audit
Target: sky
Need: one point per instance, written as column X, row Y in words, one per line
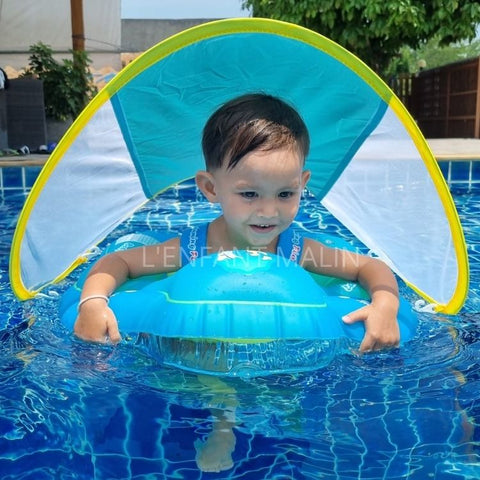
column 176, row 9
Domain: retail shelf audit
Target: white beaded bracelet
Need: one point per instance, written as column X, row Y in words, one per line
column 91, row 297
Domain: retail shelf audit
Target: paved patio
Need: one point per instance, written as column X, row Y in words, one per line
column 442, row 148
column 455, row 148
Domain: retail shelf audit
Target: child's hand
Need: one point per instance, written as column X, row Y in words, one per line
column 96, row 322
column 381, row 327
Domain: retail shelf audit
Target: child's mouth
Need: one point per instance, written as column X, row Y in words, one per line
column 262, row 228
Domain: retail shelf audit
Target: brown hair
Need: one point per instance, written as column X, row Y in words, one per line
column 252, row 122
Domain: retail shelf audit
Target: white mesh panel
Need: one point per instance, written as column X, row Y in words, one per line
column 394, row 208
column 93, row 188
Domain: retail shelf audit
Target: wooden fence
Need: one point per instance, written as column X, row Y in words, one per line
column 444, row 101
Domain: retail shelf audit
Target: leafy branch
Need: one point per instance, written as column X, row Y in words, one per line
column 68, row 85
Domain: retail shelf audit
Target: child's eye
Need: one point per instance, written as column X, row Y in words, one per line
column 249, row 195
column 286, row 194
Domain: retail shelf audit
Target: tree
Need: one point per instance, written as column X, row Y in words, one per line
column 434, row 56
column 67, row 86
column 376, row 30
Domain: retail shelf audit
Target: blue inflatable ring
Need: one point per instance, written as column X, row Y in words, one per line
column 240, row 300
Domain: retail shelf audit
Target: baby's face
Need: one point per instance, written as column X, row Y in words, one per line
column 260, row 196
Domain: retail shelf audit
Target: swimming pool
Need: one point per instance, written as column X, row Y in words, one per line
column 71, row 410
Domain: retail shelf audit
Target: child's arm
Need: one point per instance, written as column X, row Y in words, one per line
column 380, row 316
column 96, row 321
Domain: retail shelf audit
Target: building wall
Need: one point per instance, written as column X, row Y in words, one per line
column 140, row 35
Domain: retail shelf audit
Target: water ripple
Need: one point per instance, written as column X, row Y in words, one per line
column 72, row 410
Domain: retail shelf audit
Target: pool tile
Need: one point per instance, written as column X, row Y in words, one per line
column 460, row 171
column 31, row 175
column 444, row 168
column 476, row 171
column 12, row 177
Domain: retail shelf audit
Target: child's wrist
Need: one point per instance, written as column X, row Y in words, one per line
column 91, row 298
column 385, row 300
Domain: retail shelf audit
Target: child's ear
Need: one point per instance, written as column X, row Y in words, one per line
column 206, row 184
column 306, row 174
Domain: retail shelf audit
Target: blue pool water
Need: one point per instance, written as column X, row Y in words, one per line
column 71, row 410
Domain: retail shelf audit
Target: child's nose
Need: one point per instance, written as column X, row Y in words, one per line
column 268, row 209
